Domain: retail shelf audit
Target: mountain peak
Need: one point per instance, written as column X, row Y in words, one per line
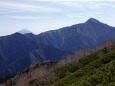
column 24, row 31
column 92, row 20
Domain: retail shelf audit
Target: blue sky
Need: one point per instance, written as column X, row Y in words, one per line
column 43, row 15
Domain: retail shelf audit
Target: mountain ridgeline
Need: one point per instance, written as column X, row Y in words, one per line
column 19, row 51
column 84, row 35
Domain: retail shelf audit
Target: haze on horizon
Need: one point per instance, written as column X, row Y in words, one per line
column 43, row 15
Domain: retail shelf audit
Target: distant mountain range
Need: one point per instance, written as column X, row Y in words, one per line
column 19, row 51
column 75, row 37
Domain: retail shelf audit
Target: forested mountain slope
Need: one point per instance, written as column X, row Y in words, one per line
column 95, row 69
column 18, row 52
column 78, row 36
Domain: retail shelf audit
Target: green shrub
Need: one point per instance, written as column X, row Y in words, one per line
column 31, row 81
column 91, row 70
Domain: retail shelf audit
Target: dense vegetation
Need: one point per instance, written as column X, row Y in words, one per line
column 97, row 69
